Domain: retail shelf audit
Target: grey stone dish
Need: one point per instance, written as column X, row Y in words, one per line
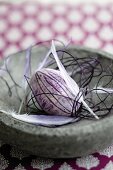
column 77, row 139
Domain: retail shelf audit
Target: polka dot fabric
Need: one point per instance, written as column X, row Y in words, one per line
column 24, row 24
column 28, row 23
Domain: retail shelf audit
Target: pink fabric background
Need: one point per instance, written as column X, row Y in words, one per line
column 25, row 24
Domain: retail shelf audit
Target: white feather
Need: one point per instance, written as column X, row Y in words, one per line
column 100, row 89
column 44, row 120
column 27, row 71
column 74, row 88
column 42, row 64
column 3, row 67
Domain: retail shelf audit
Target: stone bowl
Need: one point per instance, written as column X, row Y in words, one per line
column 73, row 140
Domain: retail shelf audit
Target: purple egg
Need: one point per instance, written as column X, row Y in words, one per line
column 52, row 94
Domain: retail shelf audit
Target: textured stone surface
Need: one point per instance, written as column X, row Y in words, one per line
column 77, row 139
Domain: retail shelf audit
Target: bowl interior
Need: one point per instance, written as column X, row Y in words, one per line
column 12, row 81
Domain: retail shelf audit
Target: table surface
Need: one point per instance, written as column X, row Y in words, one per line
column 27, row 23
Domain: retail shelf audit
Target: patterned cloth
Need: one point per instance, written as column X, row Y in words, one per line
column 24, row 24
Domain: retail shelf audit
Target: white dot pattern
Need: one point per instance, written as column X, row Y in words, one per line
column 86, row 24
